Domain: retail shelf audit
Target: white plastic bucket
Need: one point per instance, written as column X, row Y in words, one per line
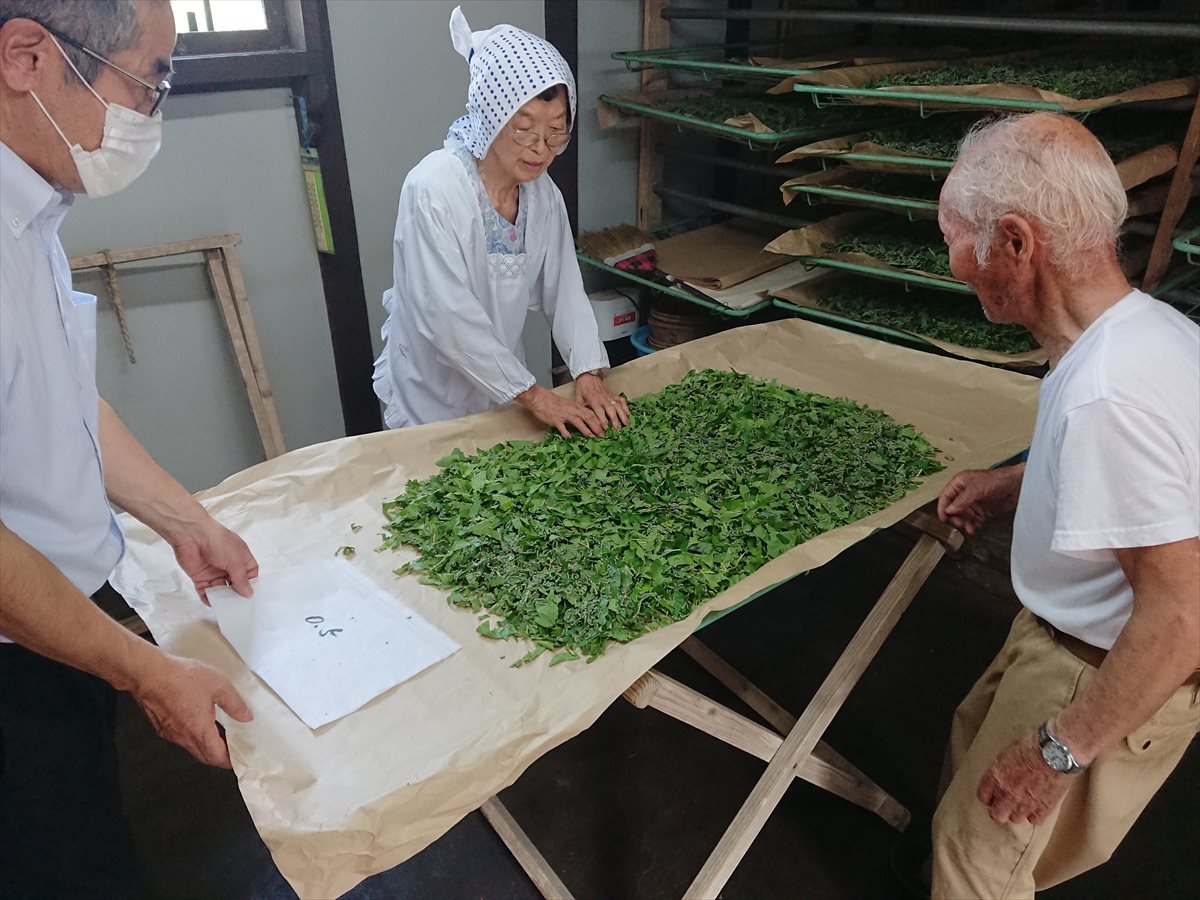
column 616, row 314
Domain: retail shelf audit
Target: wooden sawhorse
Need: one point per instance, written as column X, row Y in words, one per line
column 793, row 750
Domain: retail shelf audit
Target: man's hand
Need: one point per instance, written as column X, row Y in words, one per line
column 1019, row 787
column 212, row 555
column 559, row 412
column 592, row 392
column 976, row 495
column 178, row 697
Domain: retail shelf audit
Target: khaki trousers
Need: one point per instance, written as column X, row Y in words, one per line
column 1031, row 679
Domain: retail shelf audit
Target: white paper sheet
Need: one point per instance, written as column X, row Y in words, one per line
column 326, row 638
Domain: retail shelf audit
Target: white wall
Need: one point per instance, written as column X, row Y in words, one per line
column 229, row 163
column 400, row 85
column 608, row 157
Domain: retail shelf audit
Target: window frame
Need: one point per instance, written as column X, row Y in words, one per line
column 203, row 66
column 276, row 36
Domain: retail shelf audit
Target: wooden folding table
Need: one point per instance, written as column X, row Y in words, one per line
column 793, row 750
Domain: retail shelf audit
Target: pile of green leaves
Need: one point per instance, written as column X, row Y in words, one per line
column 573, row 543
column 1079, row 75
column 939, row 140
column 919, row 247
column 780, row 114
column 954, row 318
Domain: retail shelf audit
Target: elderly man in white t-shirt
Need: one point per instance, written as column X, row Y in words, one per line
column 1093, row 699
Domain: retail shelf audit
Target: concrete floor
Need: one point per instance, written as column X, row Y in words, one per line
column 632, row 807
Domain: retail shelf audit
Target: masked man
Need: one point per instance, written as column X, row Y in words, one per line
column 81, row 83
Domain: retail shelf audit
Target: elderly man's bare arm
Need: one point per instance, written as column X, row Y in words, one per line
column 975, row 495
column 1156, row 652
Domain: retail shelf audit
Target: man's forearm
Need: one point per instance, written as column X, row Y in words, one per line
column 1156, row 652
column 136, row 483
column 42, row 611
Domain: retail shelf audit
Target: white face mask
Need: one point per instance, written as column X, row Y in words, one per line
column 130, row 142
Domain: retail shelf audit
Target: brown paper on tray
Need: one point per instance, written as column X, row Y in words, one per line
column 841, row 176
column 1153, row 198
column 854, row 57
column 811, row 292
column 750, row 122
column 718, row 256
column 833, row 148
column 1150, row 163
column 362, row 794
column 853, row 178
column 857, row 76
column 754, row 290
column 808, row 241
column 1132, row 170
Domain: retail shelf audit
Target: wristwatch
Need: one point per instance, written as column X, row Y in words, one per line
column 1056, row 754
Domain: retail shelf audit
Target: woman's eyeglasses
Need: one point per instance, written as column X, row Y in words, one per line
column 555, row 140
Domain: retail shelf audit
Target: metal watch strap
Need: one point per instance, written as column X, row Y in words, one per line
column 1045, row 738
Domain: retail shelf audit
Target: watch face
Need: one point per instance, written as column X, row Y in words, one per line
column 1056, row 756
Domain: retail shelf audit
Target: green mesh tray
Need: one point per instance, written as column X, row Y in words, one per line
column 825, row 94
column 892, row 274
column 768, row 140
column 636, row 60
column 853, row 197
column 846, row 323
column 677, row 293
column 1189, row 243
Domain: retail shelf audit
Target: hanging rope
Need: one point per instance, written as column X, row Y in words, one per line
column 114, row 293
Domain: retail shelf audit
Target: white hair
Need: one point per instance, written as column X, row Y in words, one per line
column 1070, row 188
column 103, row 26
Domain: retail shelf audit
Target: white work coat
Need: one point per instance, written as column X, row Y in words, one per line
column 452, row 339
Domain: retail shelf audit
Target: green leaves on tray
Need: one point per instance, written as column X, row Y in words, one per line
column 919, row 247
column 934, row 314
column 1079, row 75
column 939, row 138
column 780, row 114
column 573, row 543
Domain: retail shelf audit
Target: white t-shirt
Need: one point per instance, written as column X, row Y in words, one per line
column 1115, row 462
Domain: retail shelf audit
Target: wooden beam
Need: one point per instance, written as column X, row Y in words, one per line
column 656, row 35
column 229, row 315
column 157, row 251
column 254, row 350
column 1177, row 199
column 801, row 741
column 689, row 706
column 526, row 853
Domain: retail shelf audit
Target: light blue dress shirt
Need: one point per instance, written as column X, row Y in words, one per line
column 51, row 479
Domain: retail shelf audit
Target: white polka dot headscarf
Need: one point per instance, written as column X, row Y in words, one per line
column 509, row 67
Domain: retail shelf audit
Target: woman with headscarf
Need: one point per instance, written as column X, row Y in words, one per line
column 482, row 237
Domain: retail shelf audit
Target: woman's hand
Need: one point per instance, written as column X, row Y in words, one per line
column 559, row 412
column 592, row 392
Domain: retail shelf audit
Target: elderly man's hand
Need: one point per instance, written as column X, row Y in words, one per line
column 592, row 392
column 1019, row 787
column 212, row 555
column 179, row 697
column 976, row 495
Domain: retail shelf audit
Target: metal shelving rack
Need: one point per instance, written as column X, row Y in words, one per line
column 758, row 140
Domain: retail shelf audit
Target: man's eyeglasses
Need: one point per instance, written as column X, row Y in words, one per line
column 156, row 94
column 555, row 140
